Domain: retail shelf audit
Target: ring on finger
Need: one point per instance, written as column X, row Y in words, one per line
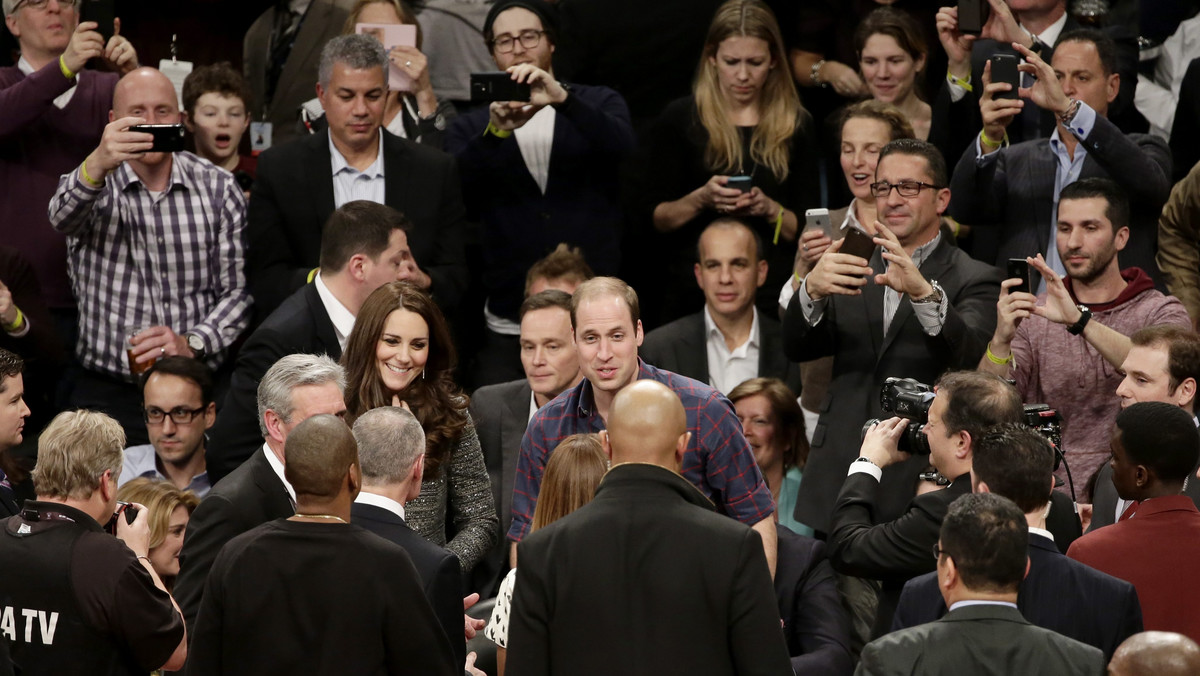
column 408, row 64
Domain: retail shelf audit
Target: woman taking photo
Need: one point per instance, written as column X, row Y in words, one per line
column 774, row 428
column 170, row 510
column 400, row 354
column 891, row 56
column 739, row 146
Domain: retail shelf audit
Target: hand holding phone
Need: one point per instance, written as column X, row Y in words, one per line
column 1004, row 69
column 168, row 138
column 972, row 16
column 498, row 86
column 742, row 184
column 1018, row 268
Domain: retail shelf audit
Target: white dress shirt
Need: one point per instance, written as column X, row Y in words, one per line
column 277, row 466
column 729, row 368
column 535, row 138
column 343, row 319
column 382, row 502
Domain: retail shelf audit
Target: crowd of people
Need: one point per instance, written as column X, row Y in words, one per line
column 816, row 362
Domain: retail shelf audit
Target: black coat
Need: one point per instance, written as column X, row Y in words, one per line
column 815, row 623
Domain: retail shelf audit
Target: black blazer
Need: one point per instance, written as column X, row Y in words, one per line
column 815, row 623
column 1058, row 594
column 681, row 347
column 646, row 579
column 299, row 326
column 441, row 573
column 985, row 640
column 1104, row 497
column 293, row 197
column 501, row 414
column 251, row 495
column 851, row 330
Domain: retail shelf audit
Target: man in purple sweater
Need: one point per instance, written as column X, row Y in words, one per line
column 53, row 114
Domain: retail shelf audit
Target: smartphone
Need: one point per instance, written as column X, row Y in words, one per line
column 125, row 508
column 858, row 243
column 497, row 86
column 103, row 12
column 1018, row 268
column 972, row 15
column 1004, row 69
column 393, row 35
column 818, row 219
column 742, row 183
column 168, row 138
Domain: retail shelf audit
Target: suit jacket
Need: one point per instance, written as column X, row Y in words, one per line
column 298, row 80
column 1104, row 497
column 1155, row 550
column 1014, row 193
column 251, row 495
column 1058, row 594
column 501, row 414
column 579, row 606
column 292, row 198
column 815, row 623
column 984, row 640
column 299, row 326
column 851, row 330
column 682, row 347
column 440, row 571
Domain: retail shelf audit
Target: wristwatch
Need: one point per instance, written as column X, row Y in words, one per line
column 1084, row 316
column 866, row 460
column 196, row 344
column 934, row 296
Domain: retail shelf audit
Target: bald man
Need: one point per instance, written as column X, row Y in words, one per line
column 647, row 578
column 154, row 244
column 1156, row 653
column 313, row 593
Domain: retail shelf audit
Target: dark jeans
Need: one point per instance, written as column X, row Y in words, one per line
column 120, row 400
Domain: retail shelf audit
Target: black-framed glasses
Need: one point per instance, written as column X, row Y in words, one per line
column 41, row 4
column 529, row 39
column 938, row 551
column 179, row 415
column 905, row 188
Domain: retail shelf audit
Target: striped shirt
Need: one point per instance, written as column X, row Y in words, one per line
column 718, row 460
column 138, row 259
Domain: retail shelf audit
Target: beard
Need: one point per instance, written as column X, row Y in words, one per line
column 1095, row 266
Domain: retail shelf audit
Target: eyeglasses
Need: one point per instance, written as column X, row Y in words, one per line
column 905, row 188
column 179, row 415
column 529, row 39
column 41, row 4
column 938, row 551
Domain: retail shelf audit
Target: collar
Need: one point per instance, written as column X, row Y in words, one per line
column 380, row 501
column 533, row 407
column 710, row 327
column 586, row 397
column 343, row 319
column 1050, row 35
column 852, row 217
column 301, row 6
column 971, row 602
column 1165, row 503
column 642, row 475
column 1042, row 532
column 921, row 253
column 24, row 66
column 1137, row 281
column 340, row 164
column 124, row 177
column 277, row 467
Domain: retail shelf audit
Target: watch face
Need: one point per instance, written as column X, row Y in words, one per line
column 195, row 343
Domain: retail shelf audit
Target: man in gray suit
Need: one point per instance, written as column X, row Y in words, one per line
column 982, row 558
column 1016, row 188
column 729, row 341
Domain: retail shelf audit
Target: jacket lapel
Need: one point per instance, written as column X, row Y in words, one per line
column 308, row 39
column 872, row 296
column 319, row 175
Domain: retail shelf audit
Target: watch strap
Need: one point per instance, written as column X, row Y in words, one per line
column 1084, row 317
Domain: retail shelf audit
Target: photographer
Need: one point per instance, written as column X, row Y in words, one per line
column 76, row 600
column 965, row 404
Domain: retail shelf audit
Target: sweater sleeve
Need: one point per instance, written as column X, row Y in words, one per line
column 25, row 100
column 471, row 509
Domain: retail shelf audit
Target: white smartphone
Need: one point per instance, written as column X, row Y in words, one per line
column 818, row 219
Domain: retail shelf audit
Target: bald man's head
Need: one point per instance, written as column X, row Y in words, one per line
column 146, row 92
column 647, row 424
column 1156, row 653
column 318, row 454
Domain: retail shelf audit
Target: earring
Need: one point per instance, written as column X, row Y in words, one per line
column 422, row 374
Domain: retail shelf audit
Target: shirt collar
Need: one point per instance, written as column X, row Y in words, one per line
column 710, row 327
column 1043, row 532
column 340, row 164
column 976, row 602
column 24, row 66
column 852, row 216
column 343, row 319
column 922, row 252
column 277, row 466
column 124, row 176
column 1050, row 35
column 533, row 407
column 380, row 501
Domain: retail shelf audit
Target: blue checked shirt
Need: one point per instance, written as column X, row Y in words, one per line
column 138, row 261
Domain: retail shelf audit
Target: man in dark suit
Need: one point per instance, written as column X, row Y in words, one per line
column 1015, row 189
column 391, row 454
column 814, row 620
column 502, row 412
column 981, row 560
column 364, row 246
column 882, row 318
column 1163, row 364
column 1058, row 594
column 300, row 183
column 576, row 596
column 1154, row 448
column 729, row 341
column 297, row 387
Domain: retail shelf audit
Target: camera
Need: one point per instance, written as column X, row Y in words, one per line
column 125, row 508
column 906, row 398
column 1047, row 422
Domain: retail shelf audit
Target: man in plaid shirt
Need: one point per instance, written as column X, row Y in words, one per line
column 154, row 245
column 719, row 462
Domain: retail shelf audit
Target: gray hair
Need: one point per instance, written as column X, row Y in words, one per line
column 290, row 372
column 358, row 51
column 10, row 6
column 390, row 440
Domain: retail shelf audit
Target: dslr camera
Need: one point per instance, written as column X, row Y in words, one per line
column 911, row 399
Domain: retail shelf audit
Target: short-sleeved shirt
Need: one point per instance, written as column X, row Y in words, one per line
column 718, row 461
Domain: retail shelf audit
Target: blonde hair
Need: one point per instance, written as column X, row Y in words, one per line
column 160, row 498
column 75, row 449
column 572, row 474
column 780, row 112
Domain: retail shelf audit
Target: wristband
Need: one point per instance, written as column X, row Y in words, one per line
column 312, row 274
column 86, row 177
column 778, row 225
column 983, row 138
column 954, row 80
column 997, row 360
column 496, row 131
column 62, row 65
column 16, row 325
column 797, row 277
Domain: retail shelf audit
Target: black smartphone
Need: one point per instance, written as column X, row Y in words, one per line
column 497, row 86
column 125, row 508
column 858, row 243
column 742, row 183
column 103, row 12
column 1004, row 69
column 972, row 15
column 1018, row 268
column 168, row 138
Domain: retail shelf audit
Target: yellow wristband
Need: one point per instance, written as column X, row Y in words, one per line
column 965, row 84
column 778, row 225
column 983, row 138
column 797, row 277
column 62, row 65
column 16, row 325
column 496, row 131
column 997, row 360
column 312, row 274
column 87, row 177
